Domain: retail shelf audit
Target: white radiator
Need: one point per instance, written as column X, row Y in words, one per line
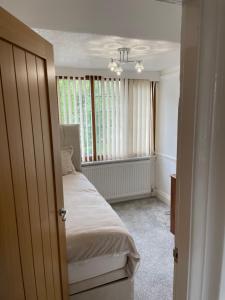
column 123, row 180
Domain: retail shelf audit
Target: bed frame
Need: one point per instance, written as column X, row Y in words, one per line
column 122, row 289
column 117, row 290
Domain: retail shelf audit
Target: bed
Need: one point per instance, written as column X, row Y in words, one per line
column 102, row 257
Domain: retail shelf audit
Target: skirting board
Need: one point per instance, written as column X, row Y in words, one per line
column 163, row 196
column 131, row 197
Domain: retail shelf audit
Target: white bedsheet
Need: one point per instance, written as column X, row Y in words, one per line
column 93, row 229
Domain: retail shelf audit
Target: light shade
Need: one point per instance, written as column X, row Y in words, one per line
column 139, row 66
column 112, row 65
column 118, row 70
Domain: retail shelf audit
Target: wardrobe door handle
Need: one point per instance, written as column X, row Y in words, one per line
column 63, row 213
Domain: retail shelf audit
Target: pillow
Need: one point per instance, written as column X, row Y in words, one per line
column 66, row 160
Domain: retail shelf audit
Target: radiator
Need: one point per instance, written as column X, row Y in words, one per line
column 123, row 180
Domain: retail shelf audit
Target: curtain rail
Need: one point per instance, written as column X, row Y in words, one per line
column 88, row 77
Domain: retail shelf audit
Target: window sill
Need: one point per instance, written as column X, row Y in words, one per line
column 118, row 161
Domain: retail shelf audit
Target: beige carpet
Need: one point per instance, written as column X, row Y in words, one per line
column 148, row 222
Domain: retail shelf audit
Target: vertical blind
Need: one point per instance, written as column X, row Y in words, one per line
column 140, row 116
column 120, row 110
column 111, row 118
column 74, row 95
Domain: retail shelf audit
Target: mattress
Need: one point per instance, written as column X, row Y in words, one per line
column 97, row 240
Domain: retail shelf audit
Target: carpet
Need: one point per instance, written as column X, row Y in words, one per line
column 148, row 221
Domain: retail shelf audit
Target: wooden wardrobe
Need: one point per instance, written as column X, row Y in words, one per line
column 32, row 233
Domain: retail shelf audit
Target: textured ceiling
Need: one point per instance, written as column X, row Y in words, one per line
column 141, row 19
column 81, row 50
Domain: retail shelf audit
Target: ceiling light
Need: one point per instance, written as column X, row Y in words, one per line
column 139, row 66
column 114, row 64
column 118, row 71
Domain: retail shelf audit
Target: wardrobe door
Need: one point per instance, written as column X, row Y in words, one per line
column 32, row 234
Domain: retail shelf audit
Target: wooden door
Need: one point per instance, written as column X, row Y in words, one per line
column 32, row 234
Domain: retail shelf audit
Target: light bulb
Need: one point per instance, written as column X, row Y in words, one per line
column 139, row 66
column 112, row 65
column 118, row 70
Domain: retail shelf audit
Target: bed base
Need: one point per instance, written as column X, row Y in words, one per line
column 117, row 290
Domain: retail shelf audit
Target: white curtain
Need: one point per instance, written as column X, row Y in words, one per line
column 75, row 108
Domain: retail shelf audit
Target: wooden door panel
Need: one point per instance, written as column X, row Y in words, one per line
column 23, row 110
column 17, row 166
column 44, row 109
column 9, row 243
column 30, row 167
column 41, row 170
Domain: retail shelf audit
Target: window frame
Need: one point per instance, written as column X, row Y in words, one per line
column 98, row 159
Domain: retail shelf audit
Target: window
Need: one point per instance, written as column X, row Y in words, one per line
column 116, row 116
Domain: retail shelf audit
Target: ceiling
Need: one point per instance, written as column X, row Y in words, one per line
column 92, row 51
column 86, row 33
column 142, row 19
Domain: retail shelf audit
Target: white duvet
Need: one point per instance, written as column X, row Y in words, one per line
column 93, row 228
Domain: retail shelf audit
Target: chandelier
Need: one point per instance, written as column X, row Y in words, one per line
column 115, row 64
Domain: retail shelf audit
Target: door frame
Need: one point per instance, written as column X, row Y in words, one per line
column 22, row 36
column 200, row 212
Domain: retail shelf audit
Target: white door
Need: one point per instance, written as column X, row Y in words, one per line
column 200, row 226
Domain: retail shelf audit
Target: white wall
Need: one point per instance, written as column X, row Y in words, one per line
column 166, row 131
